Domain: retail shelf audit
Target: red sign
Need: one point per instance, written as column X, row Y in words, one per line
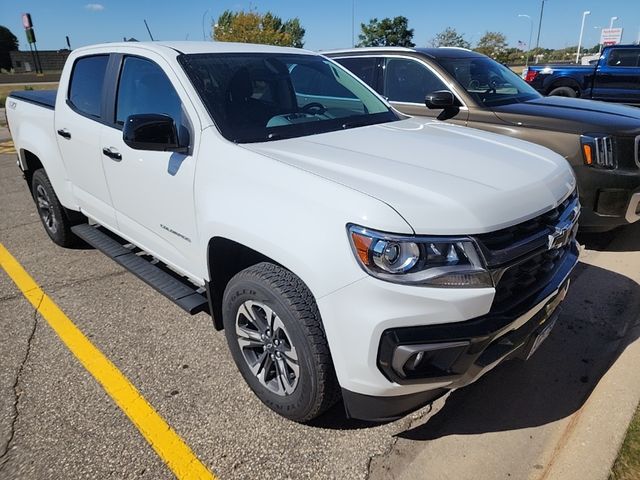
column 610, row 36
column 26, row 20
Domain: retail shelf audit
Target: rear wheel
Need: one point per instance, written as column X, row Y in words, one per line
column 275, row 335
column 563, row 92
column 54, row 217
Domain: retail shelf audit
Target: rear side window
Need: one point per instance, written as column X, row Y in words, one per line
column 363, row 68
column 624, row 58
column 87, row 78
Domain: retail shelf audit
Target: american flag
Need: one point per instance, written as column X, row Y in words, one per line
column 522, row 45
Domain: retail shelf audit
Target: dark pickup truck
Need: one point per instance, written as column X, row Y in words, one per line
column 615, row 77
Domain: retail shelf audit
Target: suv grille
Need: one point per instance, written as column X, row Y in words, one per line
column 519, row 257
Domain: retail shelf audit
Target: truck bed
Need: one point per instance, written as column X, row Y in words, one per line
column 44, row 98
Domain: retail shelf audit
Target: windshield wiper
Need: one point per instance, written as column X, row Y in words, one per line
column 362, row 123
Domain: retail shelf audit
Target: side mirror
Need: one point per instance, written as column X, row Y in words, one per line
column 441, row 99
column 151, row 131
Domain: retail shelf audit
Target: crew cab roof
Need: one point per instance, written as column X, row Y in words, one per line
column 188, row 47
column 435, row 52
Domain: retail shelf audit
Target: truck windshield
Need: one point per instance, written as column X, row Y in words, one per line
column 255, row 97
column 490, row 83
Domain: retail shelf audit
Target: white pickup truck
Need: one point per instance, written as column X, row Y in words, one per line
column 346, row 250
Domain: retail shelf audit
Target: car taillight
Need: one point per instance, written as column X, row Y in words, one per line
column 530, row 76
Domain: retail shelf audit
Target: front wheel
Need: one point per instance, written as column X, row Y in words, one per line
column 275, row 335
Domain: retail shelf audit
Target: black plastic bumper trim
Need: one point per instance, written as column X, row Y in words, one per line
column 383, row 409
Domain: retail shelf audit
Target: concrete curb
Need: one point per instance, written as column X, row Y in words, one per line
column 592, row 439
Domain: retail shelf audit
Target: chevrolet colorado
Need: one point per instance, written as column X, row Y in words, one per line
column 345, row 249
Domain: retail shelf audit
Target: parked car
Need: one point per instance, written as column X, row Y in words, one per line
column 613, row 77
column 600, row 140
column 344, row 248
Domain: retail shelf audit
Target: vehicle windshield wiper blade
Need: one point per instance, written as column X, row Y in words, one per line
column 354, row 124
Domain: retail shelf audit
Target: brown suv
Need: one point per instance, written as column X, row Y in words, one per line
column 601, row 141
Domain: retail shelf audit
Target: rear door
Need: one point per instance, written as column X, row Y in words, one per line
column 152, row 191
column 618, row 78
column 78, row 123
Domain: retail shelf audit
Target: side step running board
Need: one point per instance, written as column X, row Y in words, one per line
column 179, row 290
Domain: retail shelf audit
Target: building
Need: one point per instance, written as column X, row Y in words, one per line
column 50, row 60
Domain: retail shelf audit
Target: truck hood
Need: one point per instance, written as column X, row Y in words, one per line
column 442, row 178
column 572, row 115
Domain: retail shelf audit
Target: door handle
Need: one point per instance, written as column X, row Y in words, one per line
column 111, row 154
column 64, row 133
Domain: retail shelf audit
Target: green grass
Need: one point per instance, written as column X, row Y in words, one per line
column 627, row 465
column 6, row 89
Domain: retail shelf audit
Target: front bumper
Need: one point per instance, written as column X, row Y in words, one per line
column 378, row 391
column 609, row 198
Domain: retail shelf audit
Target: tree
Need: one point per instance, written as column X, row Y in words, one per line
column 449, row 37
column 254, row 27
column 386, row 33
column 8, row 43
column 493, row 44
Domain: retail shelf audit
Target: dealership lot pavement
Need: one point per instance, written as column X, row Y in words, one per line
column 516, row 422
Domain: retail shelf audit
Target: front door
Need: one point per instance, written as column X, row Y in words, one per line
column 152, row 191
column 406, row 83
column 619, row 79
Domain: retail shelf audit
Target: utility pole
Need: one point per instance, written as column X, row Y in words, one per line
column 584, row 15
column 540, row 24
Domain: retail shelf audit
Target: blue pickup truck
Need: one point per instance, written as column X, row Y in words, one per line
column 615, row 77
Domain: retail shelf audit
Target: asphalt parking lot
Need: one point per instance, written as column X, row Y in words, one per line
column 56, row 421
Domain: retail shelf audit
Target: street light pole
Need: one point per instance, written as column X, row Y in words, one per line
column 204, row 15
column 530, row 36
column 540, row 24
column 584, row 15
column 613, row 19
column 353, row 23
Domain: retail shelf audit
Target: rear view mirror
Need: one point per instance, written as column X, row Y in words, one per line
column 440, row 99
column 150, row 131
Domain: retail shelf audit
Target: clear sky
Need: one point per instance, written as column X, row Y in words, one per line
column 327, row 22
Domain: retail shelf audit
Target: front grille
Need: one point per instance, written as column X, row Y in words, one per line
column 506, row 238
column 520, row 258
column 604, row 152
column 525, row 279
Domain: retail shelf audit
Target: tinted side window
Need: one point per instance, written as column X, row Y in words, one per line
column 144, row 88
column 363, row 68
column 306, row 79
column 87, row 78
column 409, row 81
column 624, row 58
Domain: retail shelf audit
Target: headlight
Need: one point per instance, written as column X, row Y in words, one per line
column 430, row 261
column 597, row 151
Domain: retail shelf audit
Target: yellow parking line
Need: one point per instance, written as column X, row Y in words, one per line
column 7, row 147
column 164, row 440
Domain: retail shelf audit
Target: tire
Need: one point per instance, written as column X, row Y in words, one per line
column 271, row 350
column 57, row 221
column 563, row 92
